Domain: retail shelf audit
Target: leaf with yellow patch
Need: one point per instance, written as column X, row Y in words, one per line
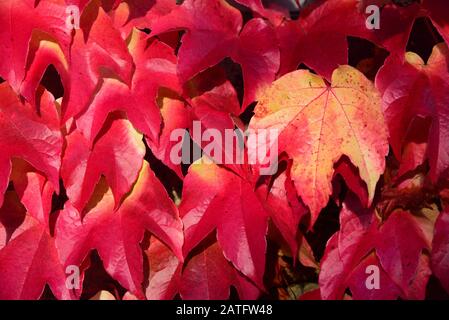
column 320, row 123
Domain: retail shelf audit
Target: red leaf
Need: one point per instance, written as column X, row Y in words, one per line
column 97, row 51
column 140, row 14
column 43, row 52
column 275, row 16
column 413, row 89
column 309, row 39
column 18, row 124
column 214, row 108
column 155, row 68
column 207, row 42
column 165, row 272
column 116, row 234
column 28, row 258
column 394, row 246
column 285, row 209
column 399, row 22
column 217, row 109
column 34, row 191
column 208, row 275
column 357, row 283
column 20, row 21
column 415, row 145
column 321, row 27
column 258, row 54
column 175, row 116
column 399, row 252
column 351, row 176
column 440, row 249
column 231, row 206
column 241, row 225
column 345, row 250
column 119, row 163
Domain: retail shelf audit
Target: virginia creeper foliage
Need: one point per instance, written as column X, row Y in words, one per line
column 91, row 201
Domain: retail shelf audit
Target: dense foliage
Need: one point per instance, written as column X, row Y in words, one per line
column 90, row 197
